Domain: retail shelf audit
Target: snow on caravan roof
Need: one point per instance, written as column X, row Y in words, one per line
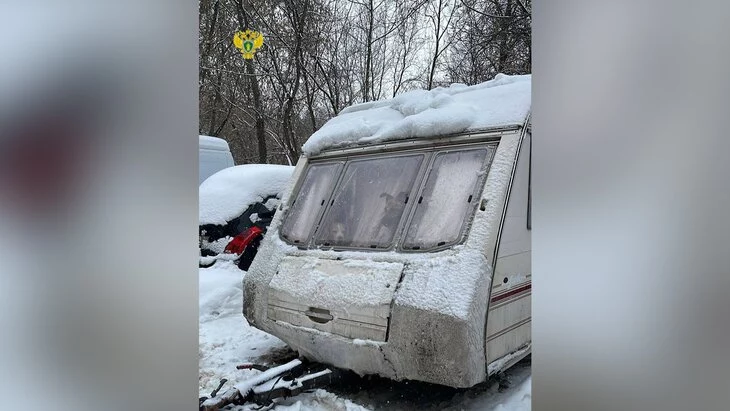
column 503, row 101
column 229, row 192
column 213, row 143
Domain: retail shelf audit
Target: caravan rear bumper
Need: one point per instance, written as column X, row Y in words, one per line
column 403, row 317
column 421, row 345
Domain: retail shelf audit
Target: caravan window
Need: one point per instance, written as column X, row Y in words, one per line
column 310, row 201
column 448, row 198
column 368, row 204
column 412, row 200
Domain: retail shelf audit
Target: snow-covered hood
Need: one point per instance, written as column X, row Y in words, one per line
column 503, row 101
column 228, row 193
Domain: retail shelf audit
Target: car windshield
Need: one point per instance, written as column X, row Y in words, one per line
column 369, row 203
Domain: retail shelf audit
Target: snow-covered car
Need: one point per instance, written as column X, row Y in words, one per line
column 404, row 247
column 236, row 208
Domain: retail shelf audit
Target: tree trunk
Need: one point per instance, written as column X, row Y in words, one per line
column 209, row 42
column 253, row 82
column 369, row 52
column 437, row 31
column 216, row 102
column 260, row 125
column 309, row 92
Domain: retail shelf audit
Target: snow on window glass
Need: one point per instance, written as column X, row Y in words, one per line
column 312, row 197
column 369, row 202
column 448, row 197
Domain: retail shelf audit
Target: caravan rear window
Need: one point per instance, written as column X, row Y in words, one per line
column 449, row 196
column 311, row 200
column 415, row 201
column 369, row 202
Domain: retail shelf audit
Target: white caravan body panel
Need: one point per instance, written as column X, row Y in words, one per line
column 443, row 315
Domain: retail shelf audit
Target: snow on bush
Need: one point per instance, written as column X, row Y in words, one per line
column 503, row 101
column 228, row 193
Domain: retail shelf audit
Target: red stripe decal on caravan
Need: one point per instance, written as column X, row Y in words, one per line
column 510, row 293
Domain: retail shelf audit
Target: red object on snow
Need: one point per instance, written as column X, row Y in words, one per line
column 239, row 243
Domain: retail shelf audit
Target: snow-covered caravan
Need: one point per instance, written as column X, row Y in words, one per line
column 403, row 248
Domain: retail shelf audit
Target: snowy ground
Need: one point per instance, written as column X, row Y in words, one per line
column 226, row 340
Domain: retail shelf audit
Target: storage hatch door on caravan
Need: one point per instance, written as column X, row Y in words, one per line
column 348, row 298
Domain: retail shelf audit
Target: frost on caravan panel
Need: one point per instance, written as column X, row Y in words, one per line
column 403, row 247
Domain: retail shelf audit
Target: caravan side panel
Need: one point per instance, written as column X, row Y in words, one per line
column 509, row 315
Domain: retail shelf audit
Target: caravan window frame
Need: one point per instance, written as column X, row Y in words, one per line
column 327, row 194
column 319, row 242
column 430, row 153
column 475, row 197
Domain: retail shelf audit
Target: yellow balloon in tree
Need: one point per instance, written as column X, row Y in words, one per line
column 248, row 42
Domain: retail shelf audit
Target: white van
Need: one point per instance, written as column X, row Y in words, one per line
column 214, row 155
column 403, row 246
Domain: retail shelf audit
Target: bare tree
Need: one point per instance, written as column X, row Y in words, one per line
column 441, row 15
column 408, row 42
column 495, row 37
column 253, row 84
column 320, row 56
